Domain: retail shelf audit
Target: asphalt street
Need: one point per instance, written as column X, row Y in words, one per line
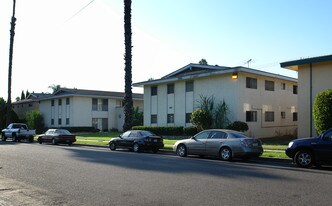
column 33, row 174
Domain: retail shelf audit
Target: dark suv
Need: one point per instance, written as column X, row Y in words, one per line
column 311, row 151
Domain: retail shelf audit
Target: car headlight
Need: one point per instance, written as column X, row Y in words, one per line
column 290, row 144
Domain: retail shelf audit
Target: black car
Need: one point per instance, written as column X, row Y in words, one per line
column 137, row 140
column 311, row 151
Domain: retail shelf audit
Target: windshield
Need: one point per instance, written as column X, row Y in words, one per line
column 62, row 131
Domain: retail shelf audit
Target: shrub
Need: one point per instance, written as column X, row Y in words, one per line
column 161, row 130
column 238, row 126
column 201, row 119
column 322, row 111
column 35, row 120
column 190, row 131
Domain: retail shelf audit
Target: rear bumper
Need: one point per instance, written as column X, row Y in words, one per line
column 149, row 146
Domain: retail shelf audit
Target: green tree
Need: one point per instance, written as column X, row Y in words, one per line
column 54, row 87
column 128, row 99
column 322, row 111
column 3, row 112
column 22, row 95
column 137, row 117
column 27, row 94
column 35, row 120
column 221, row 120
column 203, row 62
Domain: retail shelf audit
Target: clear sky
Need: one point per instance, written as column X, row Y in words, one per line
column 56, row 45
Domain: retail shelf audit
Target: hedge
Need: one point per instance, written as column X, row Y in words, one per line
column 161, row 130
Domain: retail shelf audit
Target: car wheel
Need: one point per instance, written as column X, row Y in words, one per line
column 53, row 142
column 181, row 150
column 3, row 137
column 136, row 147
column 70, row 143
column 14, row 137
column 40, row 141
column 112, row 146
column 226, row 154
column 304, row 158
column 155, row 150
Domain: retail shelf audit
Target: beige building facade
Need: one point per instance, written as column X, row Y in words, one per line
column 85, row 108
column 314, row 76
column 264, row 101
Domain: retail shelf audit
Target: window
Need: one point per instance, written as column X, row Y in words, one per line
column 104, row 106
column 94, row 104
column 170, row 88
column 202, row 135
column 269, row 85
column 170, row 118
column 189, row 86
column 251, row 83
column 153, row 119
column 283, row 115
column 59, row 121
column 283, row 86
column 294, row 116
column 60, row 102
column 154, row 90
column 251, row 116
column 188, row 117
column 67, row 121
column 67, row 101
column 294, row 89
column 52, row 103
column 52, row 121
column 218, row 135
column 269, row 116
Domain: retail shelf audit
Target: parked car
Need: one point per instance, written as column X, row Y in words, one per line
column 307, row 152
column 17, row 132
column 226, row 144
column 137, row 140
column 56, row 136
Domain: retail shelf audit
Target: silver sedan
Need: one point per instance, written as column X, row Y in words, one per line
column 226, row 144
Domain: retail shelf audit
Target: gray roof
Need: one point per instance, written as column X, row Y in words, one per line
column 192, row 71
column 307, row 61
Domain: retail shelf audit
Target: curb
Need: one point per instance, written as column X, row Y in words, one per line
column 170, row 152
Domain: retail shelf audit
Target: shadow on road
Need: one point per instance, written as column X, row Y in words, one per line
column 174, row 164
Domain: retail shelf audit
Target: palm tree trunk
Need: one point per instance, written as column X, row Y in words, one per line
column 128, row 100
column 11, row 46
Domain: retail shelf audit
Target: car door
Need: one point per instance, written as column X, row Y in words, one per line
column 214, row 142
column 324, row 147
column 134, row 135
column 122, row 141
column 197, row 144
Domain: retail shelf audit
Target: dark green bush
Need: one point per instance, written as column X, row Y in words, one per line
column 161, row 130
column 35, row 120
column 322, row 111
column 189, row 131
column 238, row 126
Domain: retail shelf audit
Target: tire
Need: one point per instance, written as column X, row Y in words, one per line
column 181, row 150
column 304, row 159
column 14, row 137
column 136, row 147
column 40, row 141
column 70, row 143
column 226, row 154
column 112, row 146
column 53, row 142
column 155, row 150
column 3, row 137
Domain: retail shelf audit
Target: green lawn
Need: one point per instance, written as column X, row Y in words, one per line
column 273, row 147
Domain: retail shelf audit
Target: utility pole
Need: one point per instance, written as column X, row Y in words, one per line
column 11, row 46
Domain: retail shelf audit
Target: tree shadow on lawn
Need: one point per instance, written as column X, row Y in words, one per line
column 177, row 165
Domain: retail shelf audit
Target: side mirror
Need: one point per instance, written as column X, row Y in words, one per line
column 193, row 138
column 120, row 136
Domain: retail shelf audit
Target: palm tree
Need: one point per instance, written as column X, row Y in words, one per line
column 11, row 46
column 128, row 99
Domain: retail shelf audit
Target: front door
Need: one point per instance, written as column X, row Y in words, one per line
column 197, row 143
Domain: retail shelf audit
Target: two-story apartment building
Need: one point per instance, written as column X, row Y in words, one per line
column 314, row 76
column 85, row 108
column 266, row 102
